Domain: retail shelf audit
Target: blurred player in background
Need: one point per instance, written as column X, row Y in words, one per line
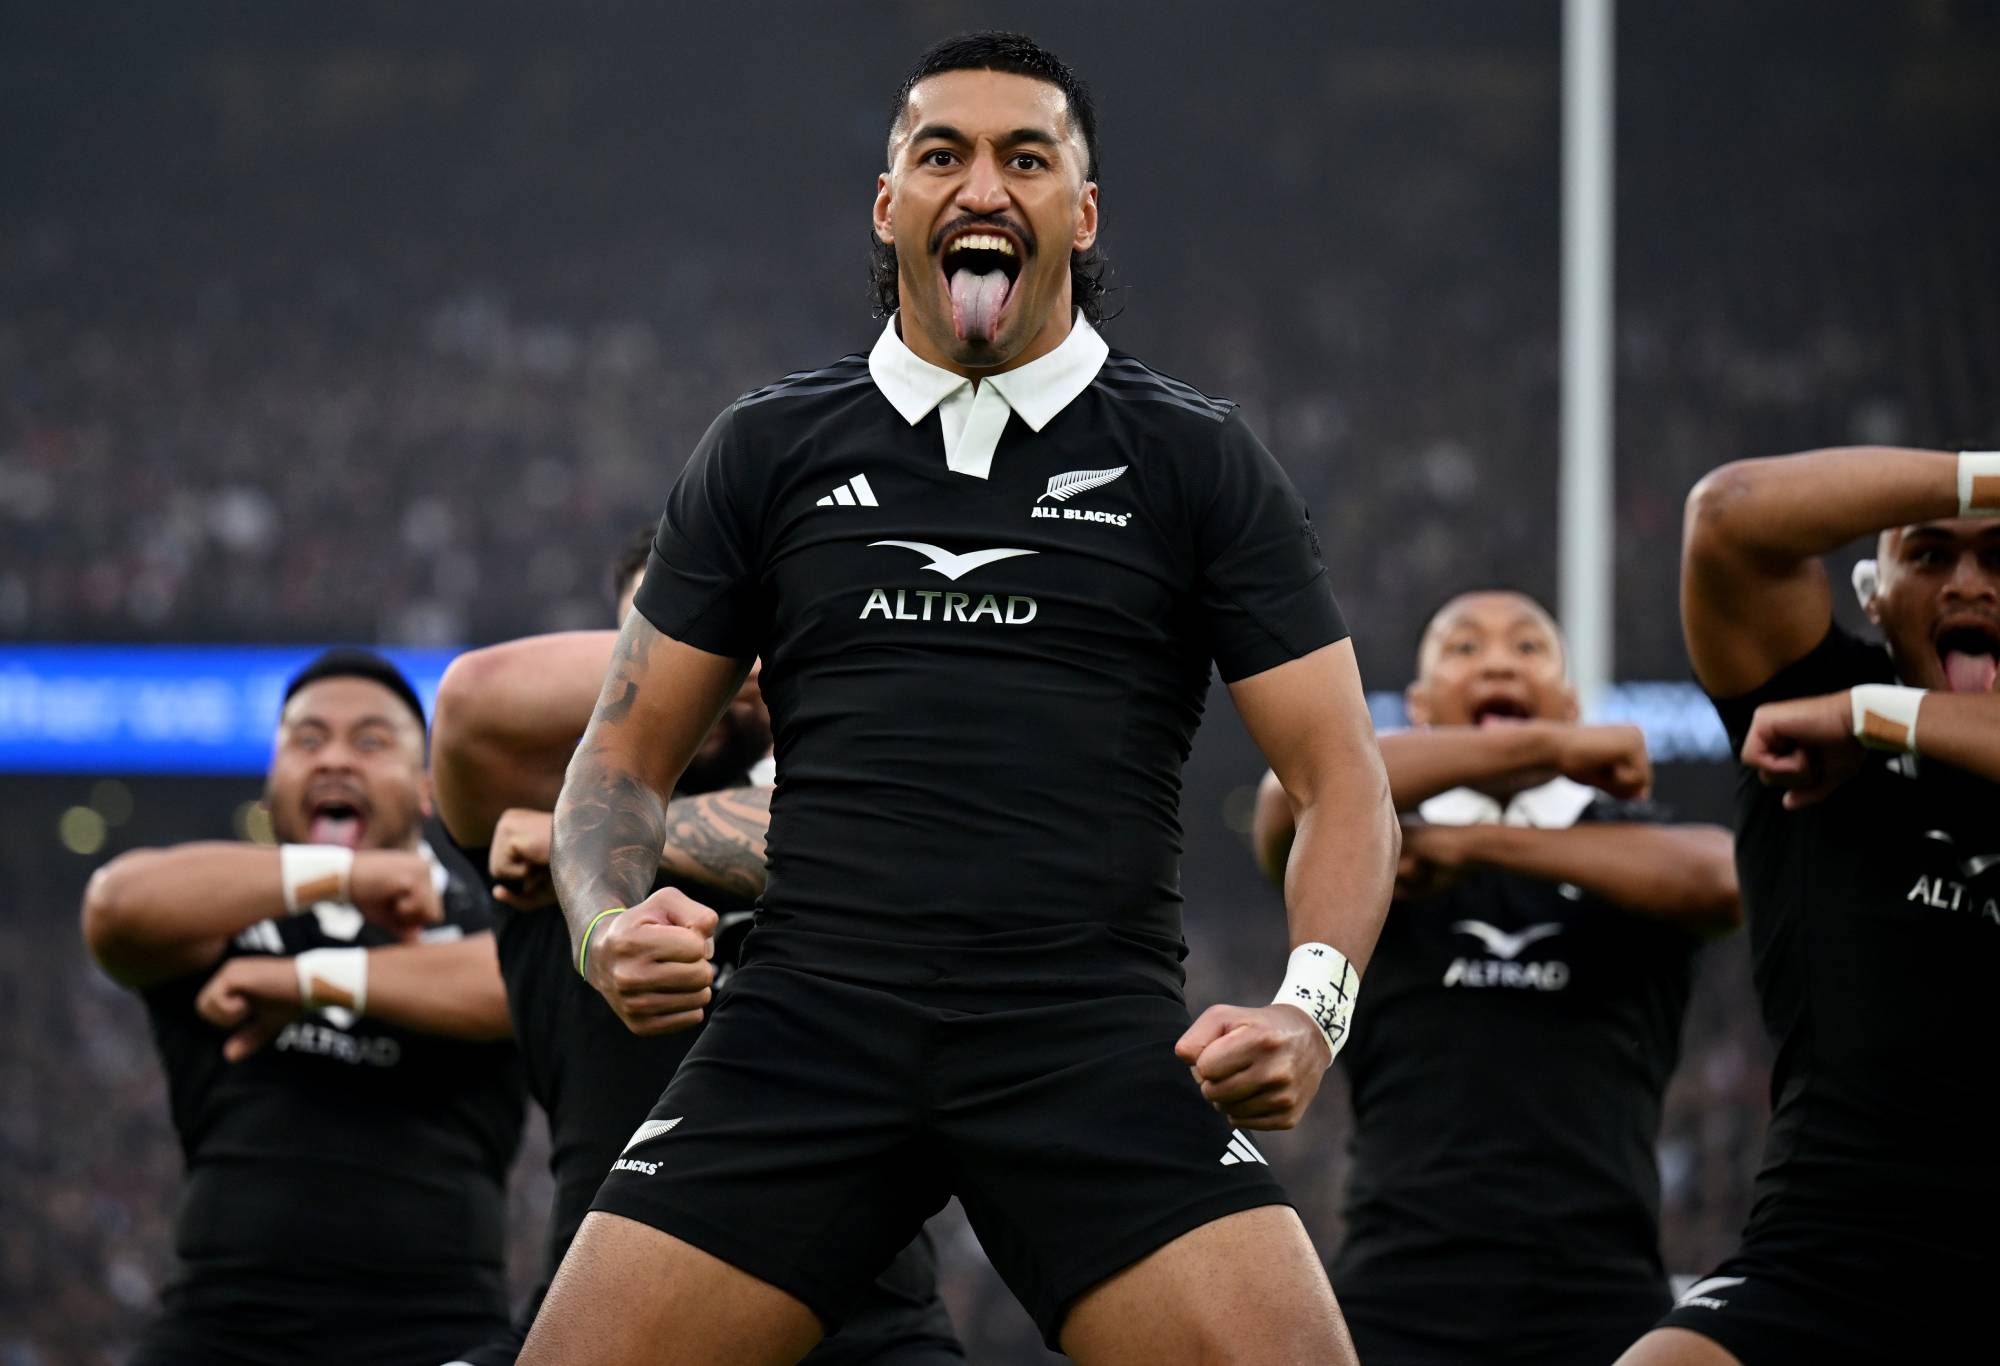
column 344, row 1102
column 1868, row 841
column 1524, row 1013
column 508, row 719
column 987, row 569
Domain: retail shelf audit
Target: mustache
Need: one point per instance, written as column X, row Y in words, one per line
column 973, row 222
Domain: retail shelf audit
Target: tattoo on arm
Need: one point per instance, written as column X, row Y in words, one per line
column 717, row 839
column 609, row 824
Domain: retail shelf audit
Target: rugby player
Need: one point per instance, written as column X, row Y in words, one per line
column 1524, row 1013
column 508, row 717
column 1868, row 840
column 987, row 568
column 345, row 1099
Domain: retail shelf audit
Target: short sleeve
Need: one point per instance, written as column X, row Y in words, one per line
column 1263, row 590
column 703, row 581
column 1841, row 660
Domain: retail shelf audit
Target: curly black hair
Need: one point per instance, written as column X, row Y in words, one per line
column 994, row 50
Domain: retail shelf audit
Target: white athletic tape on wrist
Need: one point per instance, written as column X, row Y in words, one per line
column 1885, row 715
column 1320, row 981
column 1979, row 483
column 314, row 873
column 333, row 977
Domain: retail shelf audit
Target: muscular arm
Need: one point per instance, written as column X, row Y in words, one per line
column 658, row 700
column 1310, row 719
column 453, row 990
column 1962, row 729
column 1754, row 595
column 507, row 720
column 716, row 839
column 153, row 914
column 1685, row 874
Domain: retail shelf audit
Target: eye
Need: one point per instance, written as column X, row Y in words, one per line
column 1027, row 161
column 1461, row 647
column 1928, row 557
column 1530, row 647
column 938, row 157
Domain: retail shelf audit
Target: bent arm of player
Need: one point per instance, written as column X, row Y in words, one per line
column 1685, row 874
column 714, row 839
column 1261, row 1067
column 1754, row 595
column 453, row 990
column 1424, row 762
column 1807, row 745
column 507, row 719
column 153, row 914
column 647, row 955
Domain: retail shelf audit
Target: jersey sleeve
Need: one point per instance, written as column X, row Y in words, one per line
column 1841, row 660
column 703, row 579
column 1263, row 591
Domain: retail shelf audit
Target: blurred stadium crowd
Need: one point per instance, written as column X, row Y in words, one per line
column 313, row 337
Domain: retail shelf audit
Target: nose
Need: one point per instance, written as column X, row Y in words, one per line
column 984, row 189
column 1498, row 661
column 1971, row 581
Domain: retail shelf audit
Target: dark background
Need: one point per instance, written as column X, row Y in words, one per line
column 383, row 322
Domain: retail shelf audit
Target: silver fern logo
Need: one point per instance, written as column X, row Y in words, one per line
column 1064, row 487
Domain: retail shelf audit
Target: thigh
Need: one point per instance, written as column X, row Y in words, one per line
column 630, row 1295
column 1079, row 1144
column 1244, row 1290
column 789, row 1144
column 1677, row 1347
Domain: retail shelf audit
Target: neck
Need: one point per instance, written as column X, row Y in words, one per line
column 1052, row 333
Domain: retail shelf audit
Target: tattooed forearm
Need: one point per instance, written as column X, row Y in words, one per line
column 717, row 839
column 610, row 822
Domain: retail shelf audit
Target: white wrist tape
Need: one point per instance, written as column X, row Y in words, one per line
column 314, row 873
column 1979, row 483
column 1320, row 981
column 333, row 977
column 1885, row 715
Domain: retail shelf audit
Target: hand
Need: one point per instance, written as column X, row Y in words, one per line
column 651, row 962
column 255, row 997
column 1805, row 746
column 520, row 855
column 1611, row 759
column 1259, row 1067
column 1434, row 858
column 392, row 888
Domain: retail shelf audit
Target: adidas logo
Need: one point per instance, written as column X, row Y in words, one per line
column 1240, row 1150
column 854, row 492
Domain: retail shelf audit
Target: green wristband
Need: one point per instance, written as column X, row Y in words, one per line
column 583, row 950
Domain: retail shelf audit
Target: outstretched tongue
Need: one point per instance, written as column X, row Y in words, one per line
column 1970, row 672
column 329, row 827
column 976, row 301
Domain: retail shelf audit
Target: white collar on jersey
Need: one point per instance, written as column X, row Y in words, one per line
column 1554, row 805
column 974, row 418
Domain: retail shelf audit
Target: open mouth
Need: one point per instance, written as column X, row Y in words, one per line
column 980, row 269
column 1970, row 653
column 336, row 820
column 1494, row 711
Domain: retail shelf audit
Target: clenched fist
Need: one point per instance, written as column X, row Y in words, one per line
column 652, row 962
column 1260, row 1067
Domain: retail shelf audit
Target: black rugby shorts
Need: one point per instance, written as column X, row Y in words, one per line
column 1770, row 1311
column 816, row 1124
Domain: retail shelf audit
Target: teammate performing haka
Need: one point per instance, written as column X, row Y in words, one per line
column 986, row 568
column 346, row 1111
column 1524, row 1012
column 508, row 719
column 1869, row 845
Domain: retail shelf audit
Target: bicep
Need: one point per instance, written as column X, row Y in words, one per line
column 1745, row 617
column 1309, row 716
column 659, row 698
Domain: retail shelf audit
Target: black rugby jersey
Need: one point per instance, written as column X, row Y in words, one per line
column 345, row 1189
column 597, row 1081
column 1507, row 1096
column 1875, row 935
column 983, row 689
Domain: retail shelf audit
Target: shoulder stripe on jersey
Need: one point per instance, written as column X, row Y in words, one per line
column 1132, row 371
column 799, row 390
column 841, row 369
column 1155, row 394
